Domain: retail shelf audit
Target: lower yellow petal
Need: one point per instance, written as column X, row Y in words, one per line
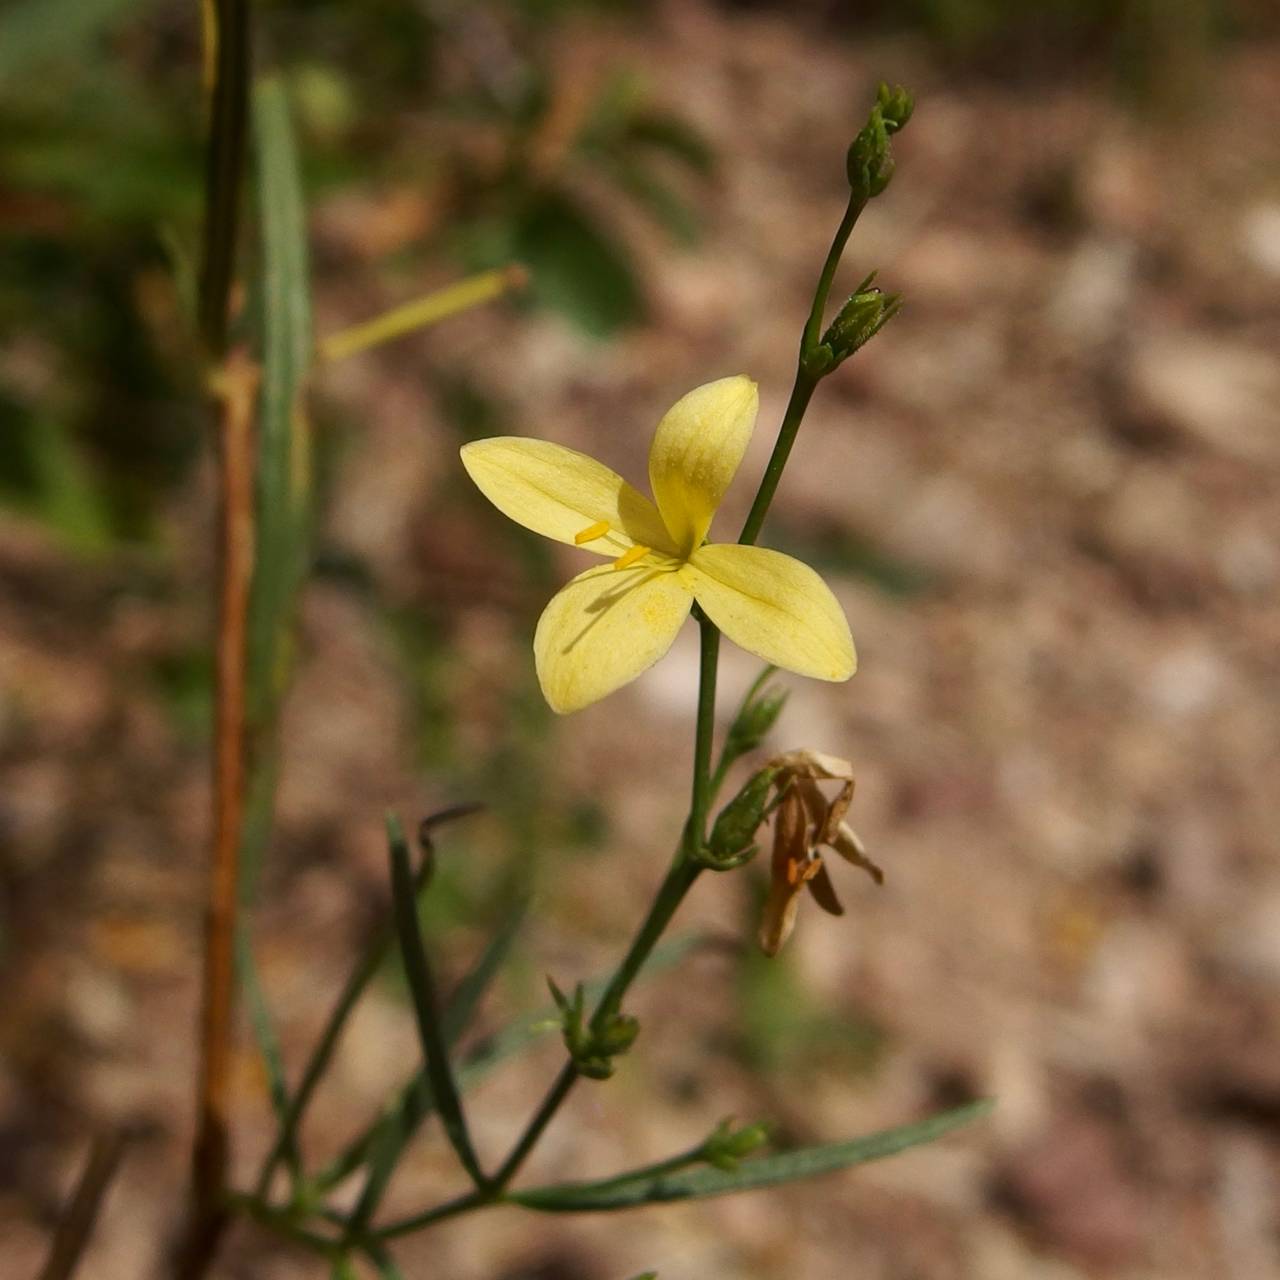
column 604, row 628
column 775, row 607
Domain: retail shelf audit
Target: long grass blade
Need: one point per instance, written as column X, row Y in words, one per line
column 621, row 1192
column 264, row 1034
column 416, row 1103
column 417, row 970
column 283, row 480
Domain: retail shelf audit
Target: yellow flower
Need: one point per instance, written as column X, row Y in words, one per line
column 614, row 621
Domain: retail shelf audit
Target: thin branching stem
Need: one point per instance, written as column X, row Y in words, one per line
column 679, row 880
column 806, row 381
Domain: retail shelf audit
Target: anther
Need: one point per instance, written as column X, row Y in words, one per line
column 591, row 532
column 628, row 558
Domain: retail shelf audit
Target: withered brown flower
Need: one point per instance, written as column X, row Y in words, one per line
column 806, row 819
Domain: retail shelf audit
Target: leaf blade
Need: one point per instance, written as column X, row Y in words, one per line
column 417, row 969
column 767, row 1171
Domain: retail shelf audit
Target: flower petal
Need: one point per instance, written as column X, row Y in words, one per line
column 604, row 628
column 696, row 451
column 775, row 607
column 846, row 843
column 560, row 492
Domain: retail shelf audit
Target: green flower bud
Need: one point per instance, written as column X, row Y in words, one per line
column 731, row 836
column 866, row 312
column 869, row 163
column 896, row 105
column 617, row 1035
column 594, row 1068
column 727, row 1146
column 757, row 717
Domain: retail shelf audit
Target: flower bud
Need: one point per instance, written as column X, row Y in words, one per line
column 730, row 844
column 617, row 1035
column 866, row 312
column 869, row 163
column 726, row 1146
column 757, row 717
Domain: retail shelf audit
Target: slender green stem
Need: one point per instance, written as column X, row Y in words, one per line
column 546, row 1111
column 803, row 388
column 450, row 1209
column 700, row 801
column 283, row 1222
column 679, row 880
column 545, row 1197
column 801, row 393
column 813, row 326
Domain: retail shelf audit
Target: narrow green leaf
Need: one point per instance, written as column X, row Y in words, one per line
column 417, row 970
column 621, row 1192
column 264, row 1032
column 393, row 1132
column 482, row 1062
column 283, row 474
column 361, row 975
column 283, row 498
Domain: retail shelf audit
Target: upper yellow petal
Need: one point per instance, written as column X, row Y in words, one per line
column 775, row 607
column 604, row 627
column 560, row 492
column 696, row 451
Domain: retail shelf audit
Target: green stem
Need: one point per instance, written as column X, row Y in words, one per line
column 282, row 1222
column 700, row 801
column 545, row 1197
column 813, row 326
column 450, row 1209
column 801, row 393
column 803, row 388
column 684, row 870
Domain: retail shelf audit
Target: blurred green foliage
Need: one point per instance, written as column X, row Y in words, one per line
column 101, row 156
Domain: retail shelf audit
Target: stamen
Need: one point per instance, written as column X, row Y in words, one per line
column 628, row 558
column 591, row 532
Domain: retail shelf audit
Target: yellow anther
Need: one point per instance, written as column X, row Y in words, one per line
column 591, row 532
column 628, row 558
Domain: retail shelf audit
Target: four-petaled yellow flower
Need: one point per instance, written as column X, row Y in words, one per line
column 614, row 621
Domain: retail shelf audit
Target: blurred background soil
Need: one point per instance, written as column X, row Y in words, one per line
column 1047, row 497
